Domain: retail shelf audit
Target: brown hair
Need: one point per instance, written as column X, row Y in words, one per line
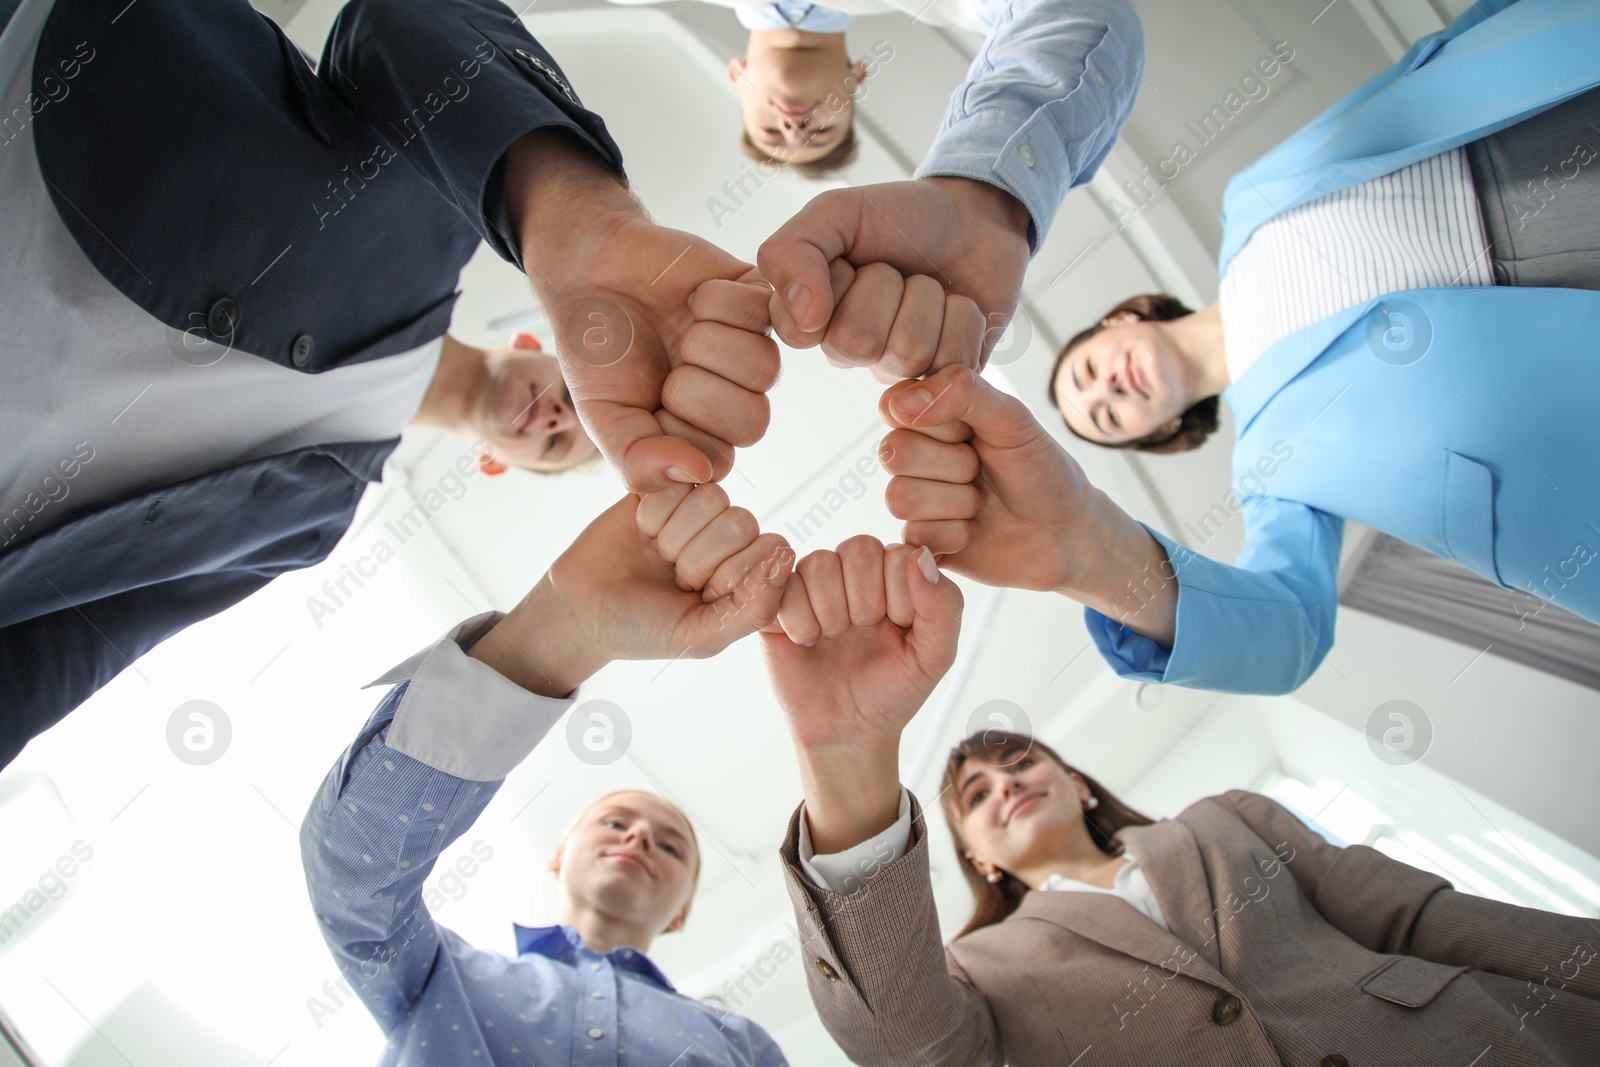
column 994, row 902
column 843, row 154
column 1198, row 422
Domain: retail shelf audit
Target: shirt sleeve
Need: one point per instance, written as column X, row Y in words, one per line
column 1262, row 625
column 847, row 871
column 1044, row 100
column 415, row 779
column 472, row 63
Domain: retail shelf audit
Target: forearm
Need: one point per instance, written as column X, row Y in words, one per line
column 852, row 792
column 540, row 646
column 878, row 973
column 369, row 841
column 1119, row 570
column 560, row 198
column 1044, row 101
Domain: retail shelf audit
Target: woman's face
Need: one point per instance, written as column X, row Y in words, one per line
column 1018, row 810
column 632, row 857
column 525, row 412
column 1122, row 384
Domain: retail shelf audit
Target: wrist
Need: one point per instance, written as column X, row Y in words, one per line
column 1119, row 569
column 562, row 200
column 852, row 791
column 541, row 645
column 991, row 202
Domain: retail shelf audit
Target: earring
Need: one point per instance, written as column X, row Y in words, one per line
column 993, row 877
column 488, row 465
column 1094, row 802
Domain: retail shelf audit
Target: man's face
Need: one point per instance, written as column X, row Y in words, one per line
column 795, row 96
column 632, row 857
column 525, row 412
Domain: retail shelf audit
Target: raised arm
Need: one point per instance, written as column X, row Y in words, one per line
column 881, row 625
column 1389, row 906
column 979, row 481
column 471, row 707
column 1042, row 105
column 660, row 334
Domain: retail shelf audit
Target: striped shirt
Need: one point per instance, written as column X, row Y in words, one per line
column 1416, row 228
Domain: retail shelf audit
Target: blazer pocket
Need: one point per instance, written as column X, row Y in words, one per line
column 1408, row 981
column 1466, row 514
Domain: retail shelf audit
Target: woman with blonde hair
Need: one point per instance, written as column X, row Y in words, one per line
column 1230, row 935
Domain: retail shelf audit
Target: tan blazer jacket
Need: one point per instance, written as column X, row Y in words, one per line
column 1283, row 949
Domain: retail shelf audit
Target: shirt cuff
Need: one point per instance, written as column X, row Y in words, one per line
column 462, row 716
column 847, row 871
column 1031, row 163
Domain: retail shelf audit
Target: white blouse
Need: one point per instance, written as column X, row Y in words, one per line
column 1418, row 228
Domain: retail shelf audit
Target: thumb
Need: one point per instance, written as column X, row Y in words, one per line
column 936, row 609
column 957, row 394
column 795, row 260
column 750, row 606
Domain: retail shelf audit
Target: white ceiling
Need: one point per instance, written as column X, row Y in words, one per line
column 193, row 911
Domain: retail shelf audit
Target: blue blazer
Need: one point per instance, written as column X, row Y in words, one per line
column 202, row 145
column 1459, row 419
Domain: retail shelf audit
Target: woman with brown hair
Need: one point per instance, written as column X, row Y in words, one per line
column 1230, row 935
column 1404, row 336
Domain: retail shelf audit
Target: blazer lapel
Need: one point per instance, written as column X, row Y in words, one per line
column 1171, row 860
column 1280, row 364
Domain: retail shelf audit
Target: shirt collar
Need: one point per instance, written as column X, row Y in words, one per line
column 564, row 945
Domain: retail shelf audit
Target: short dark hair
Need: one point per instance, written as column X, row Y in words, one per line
column 1199, row 422
column 843, row 154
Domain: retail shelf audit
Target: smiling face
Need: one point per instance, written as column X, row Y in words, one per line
column 1124, row 383
column 1019, row 811
column 524, row 412
column 633, row 858
column 796, row 93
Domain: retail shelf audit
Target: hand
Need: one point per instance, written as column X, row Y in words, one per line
column 867, row 634
column 1009, row 507
column 966, row 238
column 610, row 596
column 661, row 335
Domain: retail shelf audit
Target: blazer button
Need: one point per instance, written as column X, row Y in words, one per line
column 1227, row 1009
column 1336, row 1060
column 301, row 350
column 827, row 970
column 223, row 318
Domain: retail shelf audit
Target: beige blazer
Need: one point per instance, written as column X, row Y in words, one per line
column 1283, row 949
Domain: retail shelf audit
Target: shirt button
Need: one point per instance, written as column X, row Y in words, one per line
column 1226, row 1010
column 597, row 996
column 1026, row 152
column 301, row 350
column 1100, row 79
column 223, row 318
column 596, row 1033
column 826, row 970
column 594, row 966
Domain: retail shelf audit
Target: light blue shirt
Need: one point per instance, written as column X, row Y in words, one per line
column 1452, row 447
column 373, row 833
column 791, row 14
column 1044, row 100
